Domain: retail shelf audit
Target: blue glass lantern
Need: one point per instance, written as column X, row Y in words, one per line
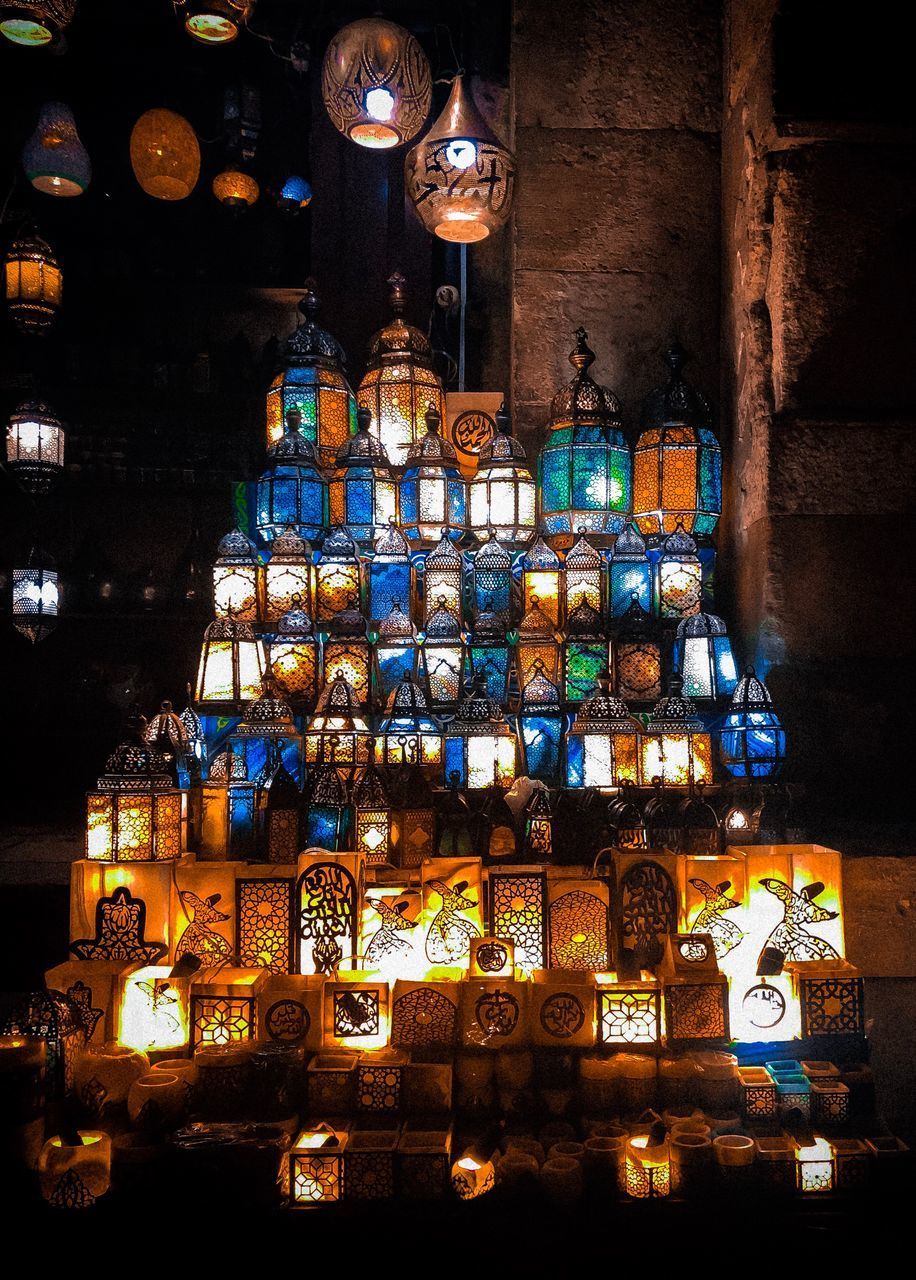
column 703, row 657
column 502, row 493
column 585, row 652
column 362, row 493
column 602, row 745
column 442, row 580
column 338, row 575
column 396, row 652
column 292, row 491
column 442, row 656
column 585, row 466
column 541, row 723
column 408, row 734
column 327, row 811
column 432, row 492
column 631, row 573
column 266, row 733
column 295, row 194
column 390, row 574
column 488, row 655
column 493, row 579
column 752, row 742
column 337, row 732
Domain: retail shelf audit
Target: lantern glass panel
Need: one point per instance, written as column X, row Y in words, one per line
column 324, row 399
column 398, row 396
column 336, row 586
column 294, row 666
column 638, row 670
column 349, row 659
column 585, row 660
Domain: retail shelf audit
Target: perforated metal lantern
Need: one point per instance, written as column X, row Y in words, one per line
column 327, row 812
column 235, row 578
column 602, row 748
column 135, row 812
column 541, row 577
column 502, row 495
column 227, row 809
column 338, row 575
column 292, row 652
column 278, row 801
column 372, row 816
column 347, row 651
column 752, row 742
column 677, row 464
column 36, row 597
column 34, row 283
column 34, row 23
column 337, row 733
column 400, row 382
column 362, row 493
column 637, row 656
column 235, row 188
column 54, row 158
column 292, row 491
column 480, row 747
column 396, row 652
column 266, row 733
column 583, row 576
column 703, row 657
column 35, row 441
column 541, row 724
column 585, row 465
column 492, row 570
column 409, row 734
column 432, row 491
column 390, row 573
column 165, row 155
column 538, row 643
column 675, row 746
column 442, row 656
column 585, row 652
column 442, row 580
column 413, row 817
column 630, row 573
column 488, row 655
column 287, row 576
column 231, row 665
column 680, row 576
column 376, row 83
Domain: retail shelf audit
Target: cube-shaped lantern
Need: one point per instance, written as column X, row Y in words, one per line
column 502, row 495
column 602, row 747
column 480, row 747
column 492, row 956
column 290, row 1007
column 493, row 1013
column 424, row 1158
column 696, row 993
column 153, row 1012
column 759, row 1100
column 379, row 1078
column 676, row 746
column 832, row 998
column 369, row 1164
column 829, row 1102
column 223, row 1006
column 356, row 1014
column 338, row 575
column 629, row 1013
column 332, row 1083
column 561, row 1009
column 122, row 913
column 316, row 1165
column 425, row 1014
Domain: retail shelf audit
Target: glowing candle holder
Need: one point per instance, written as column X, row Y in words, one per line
column 815, row 1166
column 292, row 654
column 54, row 158
column 337, row 733
column 376, row 83
column 338, row 576
column 647, row 1170
column 75, row 1176
column 316, row 1165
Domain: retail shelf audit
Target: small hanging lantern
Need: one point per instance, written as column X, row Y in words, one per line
column 752, row 742
column 337, row 733
column 602, row 746
column 33, row 23
column 442, row 656
column 231, row 664
column 489, row 655
column 442, row 580
column 680, row 576
column 493, row 578
column 541, row 724
column 703, row 656
column 54, row 158
column 362, row 493
column 293, row 655
column 235, row 578
column 675, row 747
column 236, row 189
column 585, row 652
column 35, row 446
column 390, row 574
column 134, row 815
column 400, row 382
column 432, row 491
column 216, row 21
column 165, row 155
column 338, row 575
column 408, row 734
column 327, row 814
column 538, row 643
column 287, row 576
column 376, row 83
column 460, row 177
column 583, row 572
column 346, row 651
column 585, row 465
column 502, row 493
column 34, row 284
column 166, row 734
column 677, row 462
column 480, row 747
column 538, row 827
column 227, row 808
column 292, row 491
column 372, row 813
column 294, row 194
column 637, row 656
column 277, row 812
column 413, row 818
column 36, row 597
column 631, row 573
column 396, row 652
column 541, row 578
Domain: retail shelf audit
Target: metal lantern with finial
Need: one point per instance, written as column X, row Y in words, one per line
column 538, row 838
column 400, row 383
column 362, row 493
column 677, row 474
column 231, row 665
column 541, row 724
column 585, row 466
column 312, row 381
column 703, row 657
column 441, row 656
column 287, row 576
column 327, row 811
column 227, row 808
column 584, row 571
column 35, row 441
column 637, row 656
column 36, row 596
column 292, row 651
column 135, row 812
column 376, row 83
column 235, row 578
column 278, row 799
column 752, row 742
column 390, row 573
column 585, row 652
column 34, row 283
column 432, row 492
column 541, row 574
column 337, row 732
column 338, row 575
column 538, row 643
column 480, row 747
column 492, row 576
column 630, row 573
column 502, row 495
column 413, row 818
column 602, row 747
column 347, row 652
column 680, row 576
column 442, row 580
column 166, row 733
column 408, row 734
column 267, row 732
column 372, row 816
column 488, row 654
column 291, row 492
column 675, row 746
column 396, row 652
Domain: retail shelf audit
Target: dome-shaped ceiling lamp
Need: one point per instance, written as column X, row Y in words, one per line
column 460, row 177
column 54, row 158
column 216, row 21
column 294, row 194
column 34, row 23
column 376, row 83
column 165, row 155
column 235, row 189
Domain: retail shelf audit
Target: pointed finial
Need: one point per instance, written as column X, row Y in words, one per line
column 397, row 296
column 675, row 358
column 308, row 303
column 503, row 420
column 293, row 419
column 363, row 420
column 433, row 420
column 583, row 356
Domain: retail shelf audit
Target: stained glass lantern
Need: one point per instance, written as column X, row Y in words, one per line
column 231, row 664
column 134, row 814
column 677, row 462
column 35, row 446
column 376, row 83
column 34, row 284
column 400, row 383
column 362, row 493
column 34, row 23
column 637, row 656
column 293, row 655
column 337, row 732
column 752, row 742
column 408, row 734
column 442, row 580
column 36, row 597
column 541, row 725
column 327, row 813
column 488, row 653
column 390, row 574
column 631, row 573
column 278, row 801
column 413, row 819
column 311, row 380
column 538, row 643
column 236, row 189
column 216, row 21
column 396, row 652
column 501, row 495
column 541, row 572
column 347, row 652
column 165, row 155
column 235, row 578
column 675, row 746
column 585, row 652
column 584, row 571
column 585, row 465
column 372, row 817
column 442, row 656
column 267, row 732
column 703, row 657
column 338, row 575
column 227, row 808
column 493, row 579
column 602, row 745
column 287, row 576
column 54, row 158
column 195, row 739
column 680, row 576
column 480, row 747
column 538, row 844
column 294, row 194
column 292, row 491
column 432, row 491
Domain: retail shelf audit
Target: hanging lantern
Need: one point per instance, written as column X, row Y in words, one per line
column 460, row 177
column 442, row 580
column 703, row 657
column 236, row 189
column 637, row 656
column 277, row 813
column 292, row 491
column 227, row 807
column 680, row 576
column 631, row 573
column 295, row 194
column 432, row 491
column 493, row 578
column 752, row 742
column 35, row 446
column 678, row 462
column 34, row 23
column 442, row 656
column 408, row 734
column 337, row 733
column 395, row 652
column 231, row 664
column 235, row 578
column 400, row 382
column 311, row 380
column 372, row 816
column 362, row 493
column 502, row 493
column 489, row 655
column 36, row 597
column 538, row 644
column 293, row 655
column 585, row 652
column 327, row 813
column 585, row 465
column 346, row 651
column 541, row 579
column 538, row 842
column 583, row 572
column 134, row 815
column 480, row 747
column 602, row 745
column 675, row 747
column 287, row 575
column 541, row 725
column 376, row 84
column 54, row 158
column 413, row 818
column 195, row 739
column 165, row 155
column 338, row 575
column 390, row 574
column 216, row 21
column 34, row 284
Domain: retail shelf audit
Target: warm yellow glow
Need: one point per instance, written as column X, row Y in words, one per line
column 815, row 1166
column 285, row 585
column 677, row 758
column 232, row 187
column 648, row 1172
column 545, row 585
column 491, row 761
column 154, row 1010
column 235, row 592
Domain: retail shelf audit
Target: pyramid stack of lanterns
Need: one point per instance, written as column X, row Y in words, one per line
column 468, row 817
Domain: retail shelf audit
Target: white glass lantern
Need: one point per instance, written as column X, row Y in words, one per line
column 680, row 576
column 442, row 580
column 408, row 734
column 480, row 747
column 602, row 746
column 675, row 746
column 703, row 656
column 432, row 491
column 235, row 578
column 36, row 596
column 35, row 446
column 231, row 664
column 502, row 493
column 396, row 652
column 442, row 656
column 287, row 575
column 135, row 812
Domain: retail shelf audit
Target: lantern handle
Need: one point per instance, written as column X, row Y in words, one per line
column 598, row 857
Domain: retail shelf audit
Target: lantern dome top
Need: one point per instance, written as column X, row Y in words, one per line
column 399, row 340
column 407, row 699
column 503, row 447
column 492, row 555
column 228, row 766
column 701, row 624
column 751, row 694
column 396, row 624
column 535, row 621
column 289, row 545
column 674, row 710
column 136, row 766
column 268, row 716
column 540, row 557
column 675, row 402
column 478, row 712
column 584, row 620
column 369, row 791
column 582, row 555
column 443, row 555
column 630, row 545
column 362, row 448
column 309, row 343
column 540, row 691
column 489, row 625
column 32, row 409
column 442, row 623
column 32, row 246
column 338, row 701
column 193, row 728
column 228, row 629
column 166, row 731
column 603, row 712
column 582, row 401
column 338, row 545
column 433, row 446
column 350, row 620
column 293, row 447
column 295, row 622
column 391, row 541
column 679, row 544
column 235, row 548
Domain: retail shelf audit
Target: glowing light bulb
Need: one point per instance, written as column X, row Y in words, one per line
column 461, row 153
column 380, row 104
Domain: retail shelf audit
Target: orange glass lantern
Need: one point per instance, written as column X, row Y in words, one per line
column 134, row 815
column 34, row 284
column 675, row 747
column 165, row 155
column 293, row 655
column 541, row 578
column 338, row 575
column 235, row 189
